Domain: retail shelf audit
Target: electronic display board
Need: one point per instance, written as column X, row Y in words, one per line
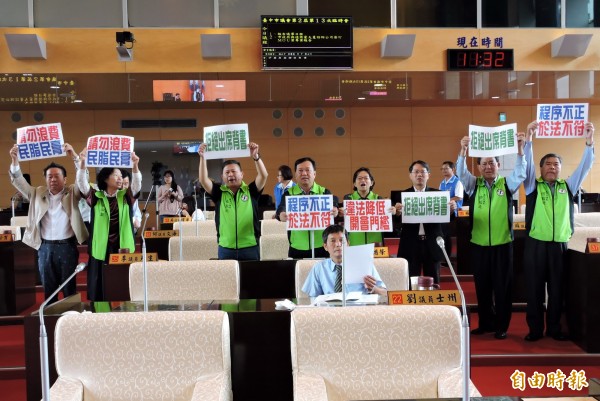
column 306, row 42
column 480, row 59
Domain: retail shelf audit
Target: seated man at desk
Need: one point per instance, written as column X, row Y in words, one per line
column 326, row 276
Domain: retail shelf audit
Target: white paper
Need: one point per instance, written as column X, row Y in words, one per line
column 366, row 215
column 226, row 141
column 358, row 262
column 40, row 142
column 415, row 207
column 109, row 151
column 565, row 120
column 493, row 141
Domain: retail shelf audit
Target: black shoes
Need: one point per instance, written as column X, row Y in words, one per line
column 479, row 331
column 559, row 336
column 533, row 337
column 500, row 335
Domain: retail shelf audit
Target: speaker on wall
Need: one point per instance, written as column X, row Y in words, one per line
column 216, row 45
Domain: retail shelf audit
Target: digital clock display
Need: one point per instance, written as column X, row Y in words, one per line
column 480, row 59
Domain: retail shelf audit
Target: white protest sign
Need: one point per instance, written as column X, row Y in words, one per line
column 492, row 141
column 426, row 207
column 226, row 141
column 109, row 151
column 40, row 142
column 366, row 215
column 565, row 120
column 308, row 212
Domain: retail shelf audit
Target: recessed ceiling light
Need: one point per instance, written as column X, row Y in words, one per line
column 220, row 86
column 361, row 98
column 529, row 83
column 495, row 97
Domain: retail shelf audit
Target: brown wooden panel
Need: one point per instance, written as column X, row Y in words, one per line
column 441, row 121
column 381, row 122
column 327, row 152
column 381, row 152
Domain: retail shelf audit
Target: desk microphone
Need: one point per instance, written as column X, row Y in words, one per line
column 144, row 268
column 465, row 325
column 44, row 336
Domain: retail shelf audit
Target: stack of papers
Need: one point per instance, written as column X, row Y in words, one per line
column 355, row 297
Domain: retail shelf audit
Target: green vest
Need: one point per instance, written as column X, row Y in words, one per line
column 102, row 225
column 236, row 218
column 551, row 221
column 491, row 214
column 358, row 237
column 301, row 239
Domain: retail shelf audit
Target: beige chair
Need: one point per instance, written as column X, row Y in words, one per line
column 268, row 214
column 518, row 218
column 578, row 241
column 169, row 355
column 209, row 214
column 272, row 226
column 194, row 248
column 393, row 272
column 587, row 219
column 274, row 246
column 186, row 281
column 376, row 352
column 20, row 221
column 206, row 228
column 303, row 267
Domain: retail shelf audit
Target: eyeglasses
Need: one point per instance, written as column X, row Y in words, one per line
column 417, row 172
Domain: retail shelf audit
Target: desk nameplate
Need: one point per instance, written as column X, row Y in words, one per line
column 381, row 252
column 519, row 225
column 160, row 233
column 176, row 219
column 7, row 238
column 424, row 297
column 128, row 258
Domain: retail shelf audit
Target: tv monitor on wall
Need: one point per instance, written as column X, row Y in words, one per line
column 306, row 43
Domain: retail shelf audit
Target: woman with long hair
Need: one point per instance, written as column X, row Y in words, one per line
column 169, row 196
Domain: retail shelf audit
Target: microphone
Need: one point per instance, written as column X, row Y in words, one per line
column 44, row 336
column 144, row 268
column 465, row 325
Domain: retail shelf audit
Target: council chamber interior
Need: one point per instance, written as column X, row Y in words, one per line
column 414, row 76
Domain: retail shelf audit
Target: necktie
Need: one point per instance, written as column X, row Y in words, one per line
column 338, row 278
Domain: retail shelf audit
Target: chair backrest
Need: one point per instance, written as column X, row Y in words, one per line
column 274, row 246
column 393, row 272
column 303, row 267
column 272, row 226
column 143, row 356
column 376, row 352
column 194, row 248
column 578, row 241
column 186, row 281
column 20, row 221
column 15, row 230
column 268, row 214
column 206, row 228
column 209, row 214
column 587, row 219
column 522, row 208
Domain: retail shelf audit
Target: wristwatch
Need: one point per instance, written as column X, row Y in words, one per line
column 257, row 157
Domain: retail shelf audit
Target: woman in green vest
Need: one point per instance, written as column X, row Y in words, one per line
column 363, row 190
column 111, row 225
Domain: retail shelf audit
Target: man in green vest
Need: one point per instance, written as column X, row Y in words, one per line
column 236, row 206
column 301, row 243
column 549, row 225
column 491, row 247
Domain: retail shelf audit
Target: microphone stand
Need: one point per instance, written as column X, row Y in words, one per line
column 152, row 189
column 465, row 326
column 180, row 235
column 144, row 266
column 196, row 208
column 343, row 268
column 44, row 336
column 12, row 205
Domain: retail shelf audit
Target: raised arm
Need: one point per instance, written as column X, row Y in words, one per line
column 206, row 183
column 587, row 160
column 529, row 182
column 16, row 176
column 519, row 173
column 468, row 180
column 136, row 175
column 262, row 174
column 82, row 175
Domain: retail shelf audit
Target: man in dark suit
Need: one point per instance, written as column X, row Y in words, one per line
column 418, row 240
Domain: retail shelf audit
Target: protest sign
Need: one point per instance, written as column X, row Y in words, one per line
column 492, row 141
column 367, row 215
column 40, row 142
column 109, row 151
column 226, row 141
column 565, row 120
column 308, row 212
column 426, row 207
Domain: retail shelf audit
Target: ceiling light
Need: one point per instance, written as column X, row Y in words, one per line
column 495, row 97
column 220, row 86
column 55, row 87
column 361, row 98
column 529, row 83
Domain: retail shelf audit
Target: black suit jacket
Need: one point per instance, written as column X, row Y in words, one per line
column 410, row 232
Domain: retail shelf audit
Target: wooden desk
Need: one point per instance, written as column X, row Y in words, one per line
column 582, row 299
column 17, row 277
column 261, row 365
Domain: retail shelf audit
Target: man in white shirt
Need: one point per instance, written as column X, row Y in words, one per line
column 54, row 225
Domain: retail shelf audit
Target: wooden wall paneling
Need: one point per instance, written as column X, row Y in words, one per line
column 109, row 122
column 381, row 122
column 441, row 121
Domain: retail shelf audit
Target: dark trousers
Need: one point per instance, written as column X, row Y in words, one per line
column 250, row 253
column 299, row 254
column 493, row 274
column 56, row 263
column 419, row 256
column 544, row 262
